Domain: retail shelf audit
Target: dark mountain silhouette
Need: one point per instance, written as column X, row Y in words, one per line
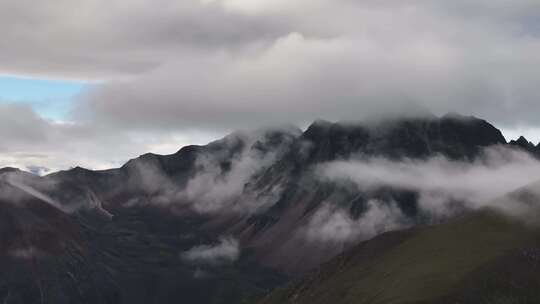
column 526, row 145
column 123, row 235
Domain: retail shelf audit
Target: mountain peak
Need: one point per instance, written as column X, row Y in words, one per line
column 453, row 135
column 522, row 140
column 9, row 170
column 318, row 128
column 523, row 143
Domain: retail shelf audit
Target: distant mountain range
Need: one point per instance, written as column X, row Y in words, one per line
column 231, row 221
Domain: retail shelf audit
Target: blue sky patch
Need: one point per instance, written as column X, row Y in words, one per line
column 50, row 98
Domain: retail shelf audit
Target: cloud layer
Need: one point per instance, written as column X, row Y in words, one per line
column 500, row 171
column 221, row 177
column 169, row 71
column 343, row 60
column 333, row 224
column 38, row 145
column 444, row 186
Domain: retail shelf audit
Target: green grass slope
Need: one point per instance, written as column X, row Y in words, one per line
column 480, row 258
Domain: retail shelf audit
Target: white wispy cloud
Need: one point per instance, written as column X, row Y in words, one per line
column 226, row 251
column 440, row 182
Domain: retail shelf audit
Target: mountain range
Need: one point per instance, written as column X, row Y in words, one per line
column 348, row 212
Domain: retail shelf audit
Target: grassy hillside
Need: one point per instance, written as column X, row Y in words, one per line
column 480, row 258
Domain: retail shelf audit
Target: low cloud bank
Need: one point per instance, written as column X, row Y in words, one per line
column 19, row 186
column 214, row 188
column 221, row 176
column 226, row 251
column 500, row 171
column 333, row 224
column 444, row 187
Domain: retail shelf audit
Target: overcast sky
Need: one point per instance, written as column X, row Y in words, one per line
column 118, row 78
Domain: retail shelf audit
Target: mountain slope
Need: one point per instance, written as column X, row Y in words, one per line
column 274, row 232
column 131, row 228
column 484, row 257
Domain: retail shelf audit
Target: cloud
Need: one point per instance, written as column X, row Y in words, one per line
column 333, row 224
column 444, row 186
column 220, row 177
column 214, row 188
column 210, row 66
column 30, row 141
column 98, row 40
column 502, row 178
column 226, row 251
column 21, row 183
column 297, row 78
column 365, row 58
column 19, row 187
column 37, row 170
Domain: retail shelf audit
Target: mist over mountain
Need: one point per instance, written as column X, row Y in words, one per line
column 484, row 256
column 229, row 221
column 269, row 151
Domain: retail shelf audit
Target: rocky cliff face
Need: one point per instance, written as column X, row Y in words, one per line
column 241, row 204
